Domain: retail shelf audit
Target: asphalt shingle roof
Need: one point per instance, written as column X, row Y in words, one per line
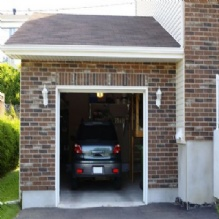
column 65, row 29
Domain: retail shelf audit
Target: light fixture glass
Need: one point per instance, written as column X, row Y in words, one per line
column 99, row 94
column 45, row 96
column 158, row 97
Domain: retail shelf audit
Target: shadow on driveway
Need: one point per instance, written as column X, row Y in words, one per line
column 151, row 211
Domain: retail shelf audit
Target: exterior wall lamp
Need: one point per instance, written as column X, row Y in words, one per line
column 158, row 97
column 45, row 95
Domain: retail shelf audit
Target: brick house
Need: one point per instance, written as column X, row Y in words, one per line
column 75, row 56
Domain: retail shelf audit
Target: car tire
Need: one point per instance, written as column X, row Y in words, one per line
column 117, row 183
column 74, row 184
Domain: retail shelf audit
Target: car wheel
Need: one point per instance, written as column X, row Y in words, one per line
column 117, row 182
column 74, row 184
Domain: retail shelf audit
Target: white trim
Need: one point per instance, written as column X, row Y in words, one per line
column 183, row 24
column 105, row 89
column 145, row 147
column 57, row 150
column 95, row 89
column 91, row 51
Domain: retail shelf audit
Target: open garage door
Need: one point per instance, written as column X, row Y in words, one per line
column 117, row 105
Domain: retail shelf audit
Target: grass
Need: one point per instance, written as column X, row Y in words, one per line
column 9, row 191
column 9, row 211
column 9, row 186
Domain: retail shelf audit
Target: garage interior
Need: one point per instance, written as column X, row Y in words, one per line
column 126, row 112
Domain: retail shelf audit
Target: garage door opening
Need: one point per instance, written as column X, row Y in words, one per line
column 120, row 108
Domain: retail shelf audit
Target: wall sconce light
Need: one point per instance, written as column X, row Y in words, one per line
column 99, row 94
column 158, row 95
column 45, row 96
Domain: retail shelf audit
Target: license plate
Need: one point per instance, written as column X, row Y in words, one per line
column 97, row 170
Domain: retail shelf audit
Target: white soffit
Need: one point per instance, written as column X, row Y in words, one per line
column 93, row 53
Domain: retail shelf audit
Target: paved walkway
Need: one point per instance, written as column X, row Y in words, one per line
column 152, row 211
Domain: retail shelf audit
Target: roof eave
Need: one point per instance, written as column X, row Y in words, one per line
column 93, row 52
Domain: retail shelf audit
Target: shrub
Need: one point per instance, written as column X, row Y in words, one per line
column 9, row 144
column 10, row 83
column 10, row 112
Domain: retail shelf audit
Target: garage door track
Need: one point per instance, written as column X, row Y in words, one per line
column 151, row 211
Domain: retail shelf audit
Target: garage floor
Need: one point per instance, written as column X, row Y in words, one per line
column 100, row 194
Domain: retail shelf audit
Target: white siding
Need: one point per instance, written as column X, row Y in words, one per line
column 180, row 99
column 169, row 13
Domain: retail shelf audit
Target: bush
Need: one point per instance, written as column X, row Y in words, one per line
column 10, row 83
column 9, row 144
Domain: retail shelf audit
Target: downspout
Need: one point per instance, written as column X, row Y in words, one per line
column 215, row 145
column 217, row 102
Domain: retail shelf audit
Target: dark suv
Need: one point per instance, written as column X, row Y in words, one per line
column 97, row 153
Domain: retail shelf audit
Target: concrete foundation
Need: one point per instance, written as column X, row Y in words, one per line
column 196, row 172
column 36, row 199
column 216, row 164
column 160, row 195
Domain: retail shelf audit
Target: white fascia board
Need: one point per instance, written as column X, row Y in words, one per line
column 92, row 51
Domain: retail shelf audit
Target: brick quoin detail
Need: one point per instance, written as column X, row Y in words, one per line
column 37, row 161
column 201, row 67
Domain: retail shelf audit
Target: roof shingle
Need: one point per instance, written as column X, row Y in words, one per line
column 65, row 29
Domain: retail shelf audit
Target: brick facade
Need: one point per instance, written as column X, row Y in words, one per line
column 37, row 161
column 201, row 67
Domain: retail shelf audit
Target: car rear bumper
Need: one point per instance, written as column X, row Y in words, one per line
column 96, row 169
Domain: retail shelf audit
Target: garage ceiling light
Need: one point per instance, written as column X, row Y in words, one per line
column 99, row 94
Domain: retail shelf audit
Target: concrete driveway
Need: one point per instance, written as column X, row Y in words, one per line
column 152, row 211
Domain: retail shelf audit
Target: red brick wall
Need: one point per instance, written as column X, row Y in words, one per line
column 202, row 64
column 37, row 161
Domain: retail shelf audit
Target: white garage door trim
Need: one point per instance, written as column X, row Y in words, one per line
column 104, row 89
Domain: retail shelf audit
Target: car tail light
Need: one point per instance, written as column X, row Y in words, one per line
column 77, row 149
column 115, row 170
column 117, row 149
column 79, row 171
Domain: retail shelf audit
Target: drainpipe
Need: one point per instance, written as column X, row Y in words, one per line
column 217, row 102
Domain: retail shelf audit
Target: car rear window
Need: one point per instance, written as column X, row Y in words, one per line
column 97, row 131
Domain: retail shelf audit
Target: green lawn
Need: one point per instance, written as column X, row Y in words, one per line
column 9, row 191
column 9, row 211
column 9, row 186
